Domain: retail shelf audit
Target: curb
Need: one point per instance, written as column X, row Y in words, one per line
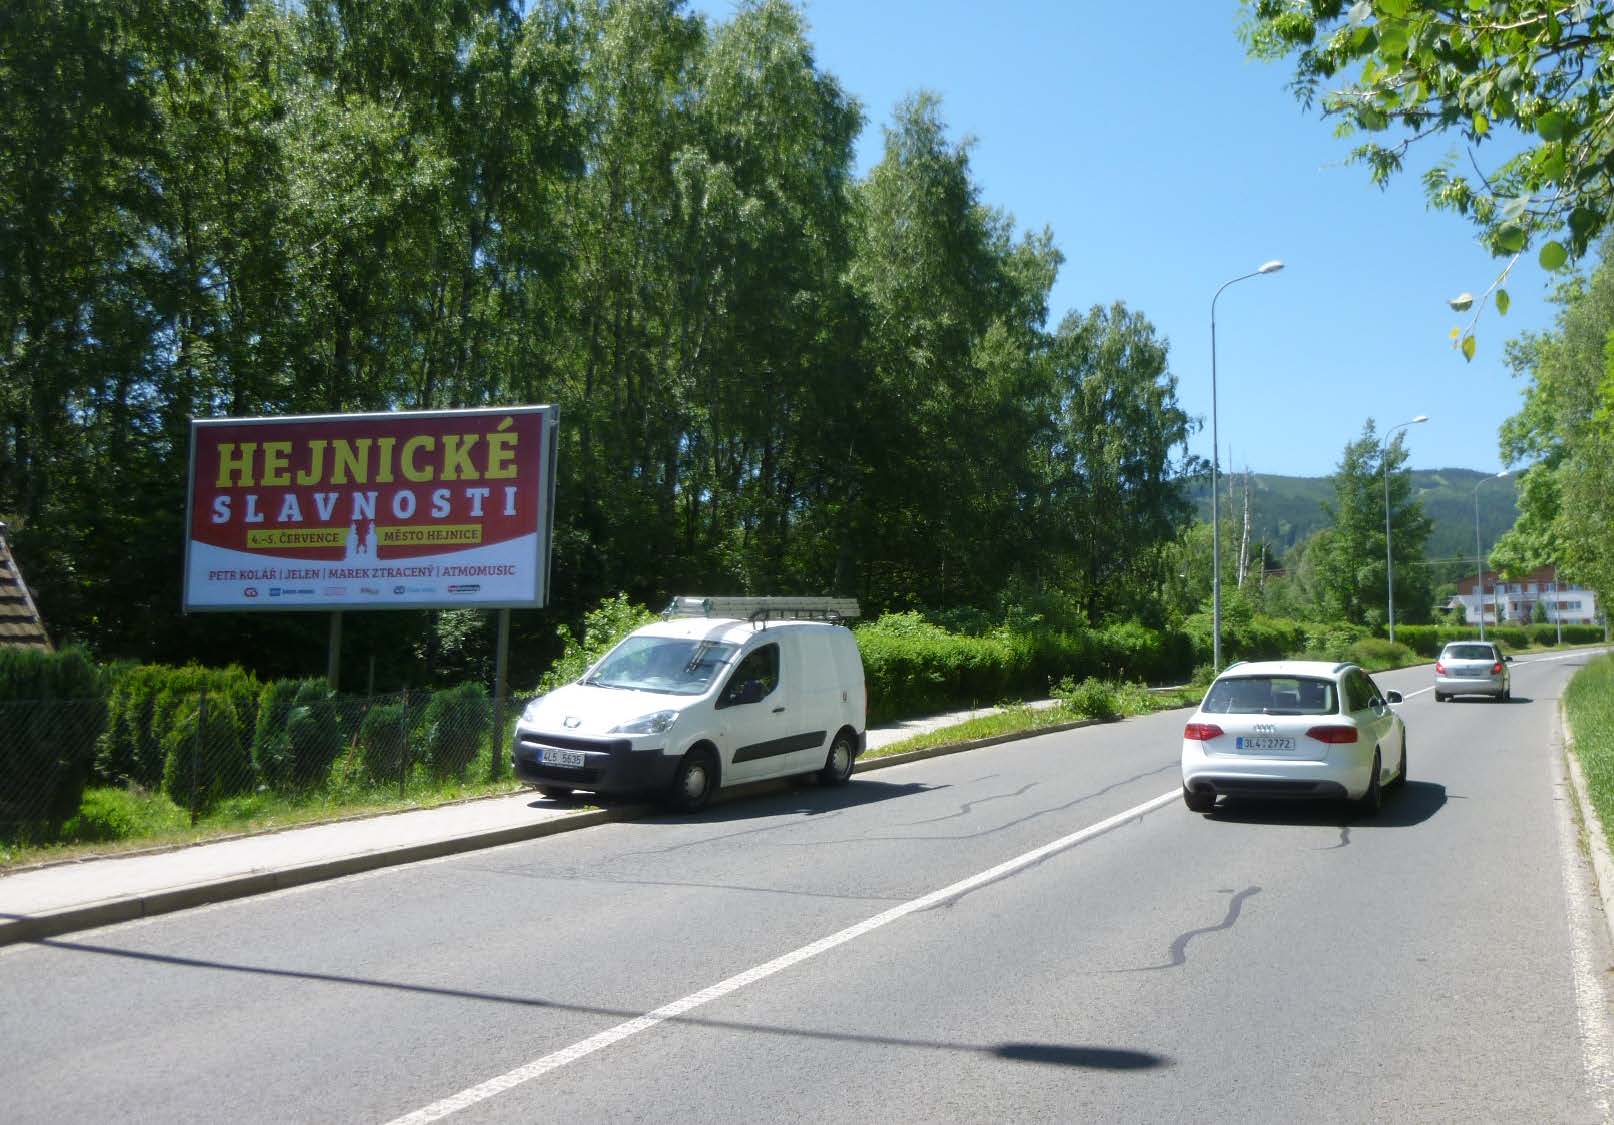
column 15, row 928
column 34, row 927
column 1592, row 826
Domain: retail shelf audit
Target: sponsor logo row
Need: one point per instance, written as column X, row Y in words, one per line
column 362, row 591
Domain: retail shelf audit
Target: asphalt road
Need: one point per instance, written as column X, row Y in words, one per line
column 1035, row 931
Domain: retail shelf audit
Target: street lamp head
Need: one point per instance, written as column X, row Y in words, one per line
column 1503, row 473
column 1462, row 302
column 1421, row 418
column 1271, row 267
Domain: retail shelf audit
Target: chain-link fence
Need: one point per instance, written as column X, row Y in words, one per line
column 164, row 755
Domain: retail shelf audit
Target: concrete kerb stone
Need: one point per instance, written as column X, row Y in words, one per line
column 1596, row 837
column 36, row 927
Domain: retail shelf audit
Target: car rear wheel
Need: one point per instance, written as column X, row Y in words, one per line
column 1441, row 697
column 838, row 764
column 1401, row 777
column 1198, row 802
column 1373, row 800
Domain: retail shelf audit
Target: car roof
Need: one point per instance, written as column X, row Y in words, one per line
column 1319, row 669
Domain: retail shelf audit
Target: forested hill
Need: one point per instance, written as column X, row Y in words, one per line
column 1285, row 510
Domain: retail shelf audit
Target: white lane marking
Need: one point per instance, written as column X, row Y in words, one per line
column 557, row 1059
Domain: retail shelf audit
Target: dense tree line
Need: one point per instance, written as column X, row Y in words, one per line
column 773, row 375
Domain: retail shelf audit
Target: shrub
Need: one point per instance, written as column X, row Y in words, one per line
column 314, row 733
column 603, row 626
column 52, row 713
column 271, row 742
column 384, row 741
column 1378, row 653
column 1102, row 699
column 205, row 756
column 456, row 720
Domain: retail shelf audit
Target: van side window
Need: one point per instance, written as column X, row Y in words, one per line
column 760, row 667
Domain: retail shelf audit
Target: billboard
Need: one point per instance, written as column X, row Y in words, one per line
column 410, row 510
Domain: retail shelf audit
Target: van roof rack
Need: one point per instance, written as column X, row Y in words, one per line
column 761, row 610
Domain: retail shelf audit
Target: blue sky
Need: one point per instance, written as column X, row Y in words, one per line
column 1166, row 163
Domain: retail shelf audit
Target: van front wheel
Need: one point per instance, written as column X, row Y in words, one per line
column 692, row 785
column 838, row 765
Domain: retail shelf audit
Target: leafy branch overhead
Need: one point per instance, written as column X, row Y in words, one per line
column 1524, row 84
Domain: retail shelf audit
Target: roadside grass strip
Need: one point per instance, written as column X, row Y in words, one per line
column 1589, row 703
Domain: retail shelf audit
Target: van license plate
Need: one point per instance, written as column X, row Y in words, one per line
column 1265, row 742
column 555, row 756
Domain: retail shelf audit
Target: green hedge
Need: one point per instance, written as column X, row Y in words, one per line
column 147, row 704
column 456, row 722
column 912, row 665
column 52, row 713
column 1428, row 640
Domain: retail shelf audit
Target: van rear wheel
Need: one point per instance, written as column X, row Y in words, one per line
column 838, row 765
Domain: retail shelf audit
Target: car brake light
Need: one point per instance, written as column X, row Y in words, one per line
column 1496, row 669
column 1332, row 735
column 1201, row 732
column 1440, row 669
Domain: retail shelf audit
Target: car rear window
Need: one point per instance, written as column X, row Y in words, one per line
column 1470, row 652
column 1271, row 695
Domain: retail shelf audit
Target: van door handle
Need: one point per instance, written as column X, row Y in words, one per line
column 778, row 710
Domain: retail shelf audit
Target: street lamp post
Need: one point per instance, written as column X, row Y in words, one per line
column 1216, row 515
column 1479, row 564
column 1389, row 563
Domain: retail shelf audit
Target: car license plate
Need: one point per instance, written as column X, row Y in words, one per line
column 555, row 756
column 1264, row 742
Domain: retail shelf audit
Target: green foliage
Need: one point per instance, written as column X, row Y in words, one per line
column 603, row 626
column 52, row 712
column 313, row 732
column 1419, row 70
column 272, row 755
column 913, row 666
column 1102, row 699
column 206, row 755
column 384, row 741
column 106, row 815
column 456, row 722
column 1377, row 654
column 1589, row 708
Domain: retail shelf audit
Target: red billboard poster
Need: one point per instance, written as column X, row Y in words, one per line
column 371, row 511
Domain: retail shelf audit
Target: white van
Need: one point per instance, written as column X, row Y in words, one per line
column 748, row 689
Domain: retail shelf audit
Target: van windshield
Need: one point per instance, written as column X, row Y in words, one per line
column 671, row 665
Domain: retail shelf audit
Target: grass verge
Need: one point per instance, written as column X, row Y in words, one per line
column 1109, row 701
column 1589, row 702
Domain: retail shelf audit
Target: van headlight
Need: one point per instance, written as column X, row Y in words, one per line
column 656, row 722
column 529, row 713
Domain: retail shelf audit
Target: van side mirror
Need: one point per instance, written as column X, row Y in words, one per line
column 743, row 692
column 1509, row 659
column 1392, row 696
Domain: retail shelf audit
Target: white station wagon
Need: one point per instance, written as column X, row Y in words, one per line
column 1293, row 728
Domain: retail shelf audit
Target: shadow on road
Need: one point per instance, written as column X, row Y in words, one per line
column 1413, row 803
column 759, row 798
column 1055, row 1054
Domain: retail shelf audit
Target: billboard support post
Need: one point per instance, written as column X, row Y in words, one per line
column 500, row 667
column 333, row 659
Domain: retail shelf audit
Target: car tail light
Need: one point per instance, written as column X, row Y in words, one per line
column 1496, row 669
column 1201, row 732
column 1440, row 669
column 1332, row 735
